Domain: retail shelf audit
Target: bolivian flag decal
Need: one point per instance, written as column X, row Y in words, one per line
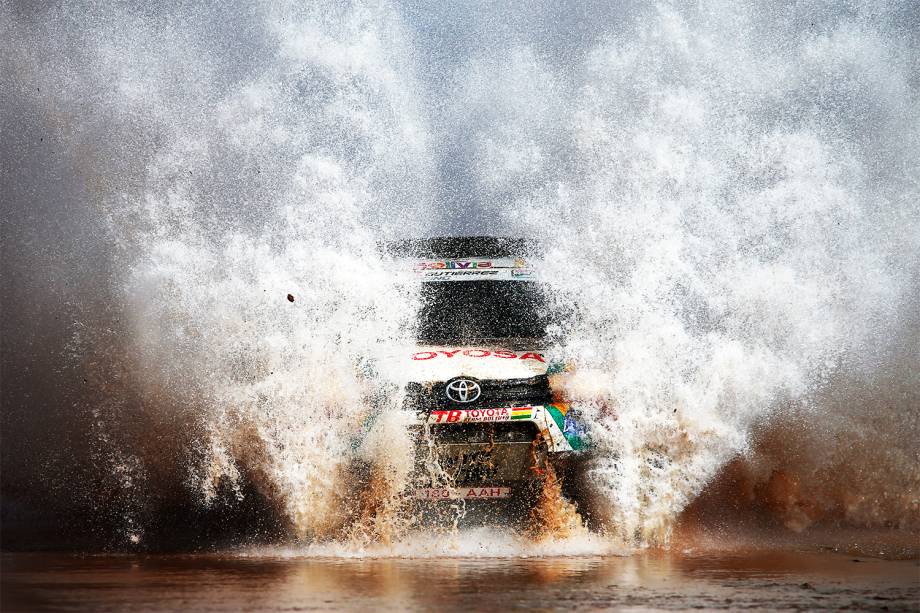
column 522, row 413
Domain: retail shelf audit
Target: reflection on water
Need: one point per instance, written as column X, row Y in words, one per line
column 221, row 582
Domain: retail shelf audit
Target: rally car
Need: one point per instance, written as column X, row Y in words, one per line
column 489, row 423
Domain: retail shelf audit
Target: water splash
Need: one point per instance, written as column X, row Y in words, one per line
column 263, row 328
column 728, row 196
column 711, row 183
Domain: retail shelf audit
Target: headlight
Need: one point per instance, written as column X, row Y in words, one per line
column 559, row 374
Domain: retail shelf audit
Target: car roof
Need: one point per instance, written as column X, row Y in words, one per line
column 463, row 247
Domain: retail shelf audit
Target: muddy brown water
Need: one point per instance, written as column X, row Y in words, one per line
column 215, row 582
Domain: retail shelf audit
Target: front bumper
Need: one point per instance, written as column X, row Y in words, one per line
column 556, row 423
column 490, row 453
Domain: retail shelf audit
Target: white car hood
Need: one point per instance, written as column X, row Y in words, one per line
column 432, row 364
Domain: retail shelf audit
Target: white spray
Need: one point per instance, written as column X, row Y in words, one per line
column 723, row 215
column 728, row 196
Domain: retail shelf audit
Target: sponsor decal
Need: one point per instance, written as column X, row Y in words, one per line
column 480, row 415
column 458, row 273
column 520, row 269
column 472, row 269
column 470, row 265
column 477, row 353
column 465, row 493
column 569, row 422
column 561, row 424
column 453, row 265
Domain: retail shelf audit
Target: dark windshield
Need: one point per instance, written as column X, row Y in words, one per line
column 480, row 312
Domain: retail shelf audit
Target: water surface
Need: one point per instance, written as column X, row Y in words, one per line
column 229, row 582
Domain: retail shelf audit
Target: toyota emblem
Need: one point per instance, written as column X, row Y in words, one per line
column 463, row 390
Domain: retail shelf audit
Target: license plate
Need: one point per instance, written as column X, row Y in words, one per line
column 462, row 493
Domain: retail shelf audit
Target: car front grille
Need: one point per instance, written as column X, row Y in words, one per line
column 489, row 433
column 426, row 397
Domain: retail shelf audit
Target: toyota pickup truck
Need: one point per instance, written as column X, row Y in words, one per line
column 490, row 424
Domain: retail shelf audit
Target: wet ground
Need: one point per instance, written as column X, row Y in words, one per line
column 231, row 582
